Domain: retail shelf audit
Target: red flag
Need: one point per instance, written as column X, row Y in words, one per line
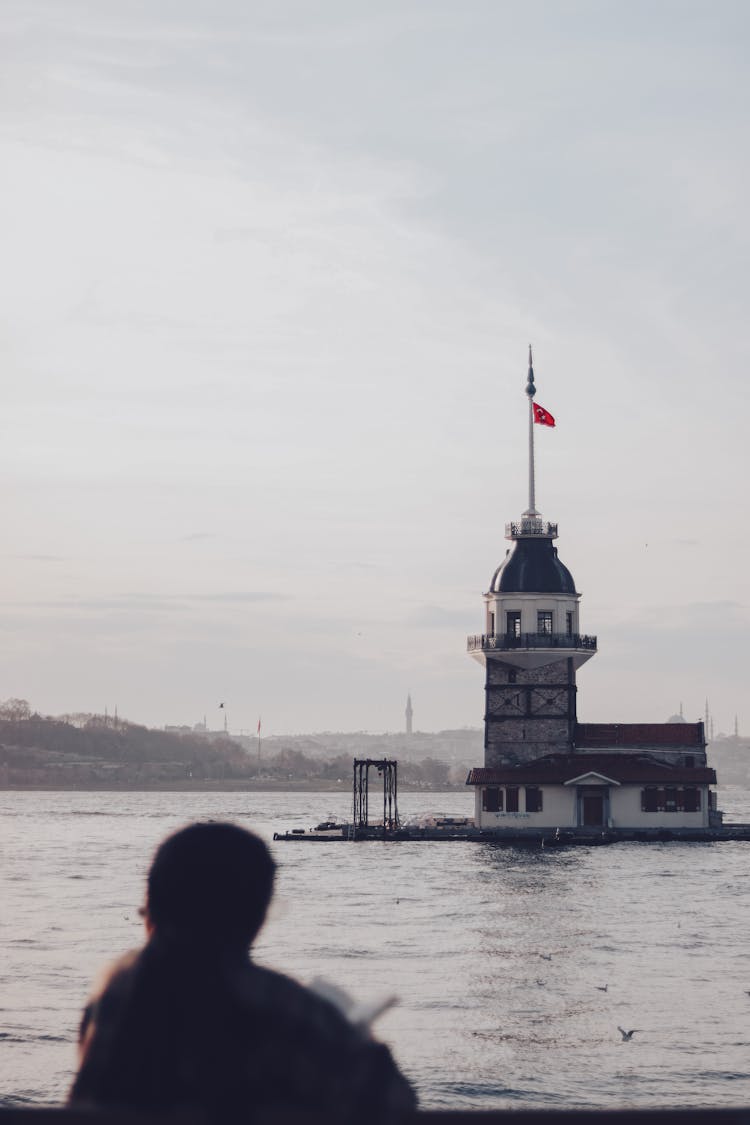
column 542, row 416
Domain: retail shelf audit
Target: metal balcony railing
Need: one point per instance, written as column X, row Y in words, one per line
column 520, row 529
column 508, row 642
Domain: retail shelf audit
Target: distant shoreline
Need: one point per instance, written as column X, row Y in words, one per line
column 216, row 786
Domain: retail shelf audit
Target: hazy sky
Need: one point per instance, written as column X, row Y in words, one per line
column 269, row 276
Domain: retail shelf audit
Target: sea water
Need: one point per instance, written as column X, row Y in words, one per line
column 513, row 967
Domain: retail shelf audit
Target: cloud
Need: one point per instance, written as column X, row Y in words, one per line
column 124, row 603
column 41, row 558
column 128, row 603
column 242, row 596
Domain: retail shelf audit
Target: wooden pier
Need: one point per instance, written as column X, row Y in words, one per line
column 518, row 837
column 392, row 830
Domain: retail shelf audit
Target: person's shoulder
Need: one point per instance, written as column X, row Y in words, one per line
column 116, row 975
column 108, row 993
column 289, row 1000
column 319, row 1038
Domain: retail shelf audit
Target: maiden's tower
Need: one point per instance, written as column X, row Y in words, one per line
column 542, row 768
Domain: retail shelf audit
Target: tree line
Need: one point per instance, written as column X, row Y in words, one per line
column 82, row 749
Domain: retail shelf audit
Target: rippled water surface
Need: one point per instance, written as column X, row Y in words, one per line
column 499, row 956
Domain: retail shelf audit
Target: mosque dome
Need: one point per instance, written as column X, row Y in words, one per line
column 532, row 567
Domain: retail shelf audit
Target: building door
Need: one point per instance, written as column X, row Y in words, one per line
column 593, row 810
column 593, row 806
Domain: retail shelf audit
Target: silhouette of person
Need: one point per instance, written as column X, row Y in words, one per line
column 190, row 1022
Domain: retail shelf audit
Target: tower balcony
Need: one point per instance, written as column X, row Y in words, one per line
column 505, row 642
column 529, row 527
column 531, row 650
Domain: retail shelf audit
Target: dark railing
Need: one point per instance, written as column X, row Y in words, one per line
column 521, row 528
column 507, row 642
column 31, row 1115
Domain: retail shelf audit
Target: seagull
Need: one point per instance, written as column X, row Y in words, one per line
column 601, row 987
column 627, row 1035
column 546, row 956
column 540, row 982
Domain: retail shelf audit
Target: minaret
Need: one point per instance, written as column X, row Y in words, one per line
column 532, row 644
column 409, row 713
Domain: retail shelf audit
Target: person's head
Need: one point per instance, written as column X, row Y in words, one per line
column 210, row 883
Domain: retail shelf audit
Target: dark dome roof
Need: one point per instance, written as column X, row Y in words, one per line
column 532, row 567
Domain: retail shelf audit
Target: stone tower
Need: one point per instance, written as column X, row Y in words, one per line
column 409, row 713
column 532, row 645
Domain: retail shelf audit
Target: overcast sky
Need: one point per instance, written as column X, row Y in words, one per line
column 268, row 280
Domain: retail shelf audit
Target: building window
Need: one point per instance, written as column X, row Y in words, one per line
column 512, row 675
column 491, row 625
column 533, row 798
column 511, row 798
column 690, row 761
column 569, row 623
column 544, row 622
column 671, row 799
column 649, row 800
column 513, row 624
column 492, row 800
column 691, row 800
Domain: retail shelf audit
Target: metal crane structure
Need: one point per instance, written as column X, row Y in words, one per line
column 388, row 769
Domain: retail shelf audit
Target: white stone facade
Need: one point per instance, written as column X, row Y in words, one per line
column 563, row 805
column 498, row 606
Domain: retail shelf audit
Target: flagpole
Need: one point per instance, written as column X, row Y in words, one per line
column 531, row 391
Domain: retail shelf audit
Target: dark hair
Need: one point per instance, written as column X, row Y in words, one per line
column 212, row 882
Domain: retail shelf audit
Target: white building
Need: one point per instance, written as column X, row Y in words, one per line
column 630, row 789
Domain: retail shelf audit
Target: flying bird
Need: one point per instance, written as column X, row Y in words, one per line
column 627, row 1035
column 601, row 987
column 546, row 956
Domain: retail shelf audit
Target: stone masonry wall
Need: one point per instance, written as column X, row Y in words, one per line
column 528, row 713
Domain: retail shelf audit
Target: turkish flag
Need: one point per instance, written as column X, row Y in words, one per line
column 542, row 416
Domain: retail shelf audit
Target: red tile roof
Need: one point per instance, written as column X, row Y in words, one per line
column 641, row 735
column 556, row 769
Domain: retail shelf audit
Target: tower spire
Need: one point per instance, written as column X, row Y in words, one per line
column 531, row 391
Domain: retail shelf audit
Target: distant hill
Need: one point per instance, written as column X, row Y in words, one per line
column 39, row 750
column 462, row 746
column 94, row 751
